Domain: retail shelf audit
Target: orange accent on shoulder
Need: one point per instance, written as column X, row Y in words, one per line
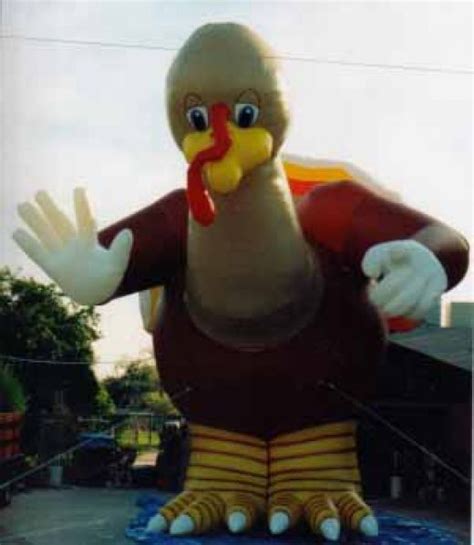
column 309, row 173
column 301, row 187
column 302, row 178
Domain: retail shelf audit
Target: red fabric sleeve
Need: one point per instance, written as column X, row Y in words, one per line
column 349, row 219
column 159, row 242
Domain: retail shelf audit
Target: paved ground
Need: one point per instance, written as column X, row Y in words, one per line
column 71, row 516
column 146, row 458
column 98, row 516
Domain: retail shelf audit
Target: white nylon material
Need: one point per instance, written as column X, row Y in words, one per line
column 71, row 254
column 407, row 278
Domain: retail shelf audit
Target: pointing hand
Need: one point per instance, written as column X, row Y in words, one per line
column 409, row 278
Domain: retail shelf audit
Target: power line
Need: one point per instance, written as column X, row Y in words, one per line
column 294, row 58
column 19, row 359
column 93, row 43
column 397, row 431
column 360, row 64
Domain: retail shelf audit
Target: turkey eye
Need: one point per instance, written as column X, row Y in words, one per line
column 245, row 115
column 198, row 118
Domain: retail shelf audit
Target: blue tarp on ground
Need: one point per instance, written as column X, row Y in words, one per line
column 97, row 441
column 394, row 530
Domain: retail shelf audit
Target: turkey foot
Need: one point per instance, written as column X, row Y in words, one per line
column 226, row 483
column 314, row 474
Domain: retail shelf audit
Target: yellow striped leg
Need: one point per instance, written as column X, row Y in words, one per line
column 322, row 516
column 285, row 510
column 316, row 466
column 203, row 515
column 227, row 474
column 353, row 510
column 242, row 511
column 166, row 515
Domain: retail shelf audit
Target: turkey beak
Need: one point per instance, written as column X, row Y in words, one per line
column 248, row 148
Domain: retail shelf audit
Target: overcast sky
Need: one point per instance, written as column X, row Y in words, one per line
column 93, row 115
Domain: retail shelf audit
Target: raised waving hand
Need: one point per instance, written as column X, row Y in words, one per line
column 70, row 253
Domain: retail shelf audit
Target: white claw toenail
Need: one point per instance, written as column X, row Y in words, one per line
column 330, row 529
column 184, row 524
column 279, row 523
column 369, row 526
column 237, row 522
column 157, row 524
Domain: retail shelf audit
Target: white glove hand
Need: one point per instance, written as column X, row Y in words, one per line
column 409, row 278
column 70, row 255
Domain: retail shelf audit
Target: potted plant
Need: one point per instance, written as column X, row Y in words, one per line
column 12, row 408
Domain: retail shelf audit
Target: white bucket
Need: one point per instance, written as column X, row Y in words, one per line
column 55, row 476
column 396, row 487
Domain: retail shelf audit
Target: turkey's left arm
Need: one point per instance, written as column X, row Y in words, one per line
column 377, row 220
column 414, row 257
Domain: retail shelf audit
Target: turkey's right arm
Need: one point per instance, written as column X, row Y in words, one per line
column 92, row 267
column 159, row 234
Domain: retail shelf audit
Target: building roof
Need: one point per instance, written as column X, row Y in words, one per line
column 452, row 345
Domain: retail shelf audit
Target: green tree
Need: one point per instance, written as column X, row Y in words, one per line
column 104, row 404
column 159, row 403
column 12, row 396
column 38, row 322
column 138, row 387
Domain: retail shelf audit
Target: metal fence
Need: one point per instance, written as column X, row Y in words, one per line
column 142, row 429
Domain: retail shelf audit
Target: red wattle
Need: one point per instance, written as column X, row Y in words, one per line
column 200, row 202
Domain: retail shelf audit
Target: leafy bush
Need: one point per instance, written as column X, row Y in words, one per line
column 37, row 322
column 12, row 396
